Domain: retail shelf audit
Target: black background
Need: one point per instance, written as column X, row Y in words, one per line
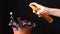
column 20, row 8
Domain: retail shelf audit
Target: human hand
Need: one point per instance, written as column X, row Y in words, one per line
column 41, row 8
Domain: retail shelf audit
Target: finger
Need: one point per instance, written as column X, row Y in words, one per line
column 36, row 4
column 37, row 13
column 34, row 11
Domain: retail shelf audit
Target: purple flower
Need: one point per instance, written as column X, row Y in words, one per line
column 22, row 24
